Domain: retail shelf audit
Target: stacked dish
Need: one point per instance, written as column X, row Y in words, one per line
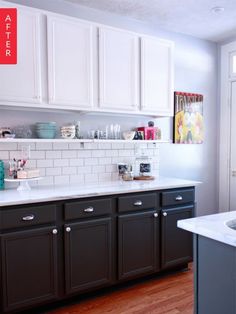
column 68, row 131
column 45, row 129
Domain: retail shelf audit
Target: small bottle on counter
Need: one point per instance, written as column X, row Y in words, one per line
column 2, row 175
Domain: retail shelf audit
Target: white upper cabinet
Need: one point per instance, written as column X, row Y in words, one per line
column 21, row 82
column 156, row 76
column 71, row 45
column 118, row 70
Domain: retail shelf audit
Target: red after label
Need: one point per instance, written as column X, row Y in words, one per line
column 8, row 36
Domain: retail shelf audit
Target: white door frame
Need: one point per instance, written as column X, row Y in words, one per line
column 225, row 113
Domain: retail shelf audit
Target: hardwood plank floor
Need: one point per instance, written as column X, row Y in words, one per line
column 172, row 294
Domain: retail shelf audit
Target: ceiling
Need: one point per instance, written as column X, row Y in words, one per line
column 192, row 17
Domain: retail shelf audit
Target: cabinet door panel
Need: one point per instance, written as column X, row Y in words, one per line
column 21, row 82
column 70, row 62
column 118, row 68
column 29, row 268
column 88, row 249
column 177, row 244
column 156, row 76
column 138, row 246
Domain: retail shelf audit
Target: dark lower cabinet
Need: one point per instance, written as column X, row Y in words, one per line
column 138, row 244
column 88, row 254
column 177, row 244
column 99, row 242
column 29, row 267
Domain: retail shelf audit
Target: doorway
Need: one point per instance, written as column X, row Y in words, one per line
column 232, row 168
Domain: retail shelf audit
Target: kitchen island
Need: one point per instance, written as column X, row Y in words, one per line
column 214, row 262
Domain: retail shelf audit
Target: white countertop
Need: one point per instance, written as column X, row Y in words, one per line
column 52, row 193
column 212, row 226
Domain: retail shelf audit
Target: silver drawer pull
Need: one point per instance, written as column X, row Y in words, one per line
column 155, row 215
column 179, row 198
column 138, row 203
column 54, row 231
column 28, row 218
column 89, row 209
column 68, row 229
column 164, row 214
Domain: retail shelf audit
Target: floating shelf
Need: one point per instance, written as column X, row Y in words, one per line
column 61, row 140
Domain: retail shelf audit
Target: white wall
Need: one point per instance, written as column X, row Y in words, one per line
column 195, row 71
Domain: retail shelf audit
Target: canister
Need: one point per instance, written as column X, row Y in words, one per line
column 1, row 175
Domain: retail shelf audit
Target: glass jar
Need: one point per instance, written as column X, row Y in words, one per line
column 143, row 166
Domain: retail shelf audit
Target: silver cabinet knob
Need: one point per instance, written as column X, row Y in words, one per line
column 138, row 203
column 54, row 231
column 68, row 229
column 89, row 209
column 164, row 214
column 28, row 218
column 179, row 198
column 155, row 215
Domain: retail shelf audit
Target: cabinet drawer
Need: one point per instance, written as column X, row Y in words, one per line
column 177, row 197
column 137, row 202
column 29, row 216
column 91, row 208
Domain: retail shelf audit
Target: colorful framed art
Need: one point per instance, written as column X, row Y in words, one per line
column 188, row 118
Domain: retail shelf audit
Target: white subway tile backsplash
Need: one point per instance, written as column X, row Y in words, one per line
column 91, row 161
column 37, row 154
column 53, row 171
column 4, row 155
column 8, row 146
column 104, row 161
column 91, row 177
column 90, row 146
column 98, row 169
column 60, row 146
column 76, row 162
column 64, row 163
column 84, row 154
column 31, row 163
column 53, row 154
column 69, row 170
column 69, row 154
column 61, row 180
column 43, row 146
column 61, row 162
column 44, row 163
column 126, row 153
column 104, row 177
column 48, row 180
column 98, row 153
column 84, row 170
column 75, row 145
column 112, row 153
column 26, row 145
column 104, row 145
column 15, row 154
column 79, row 178
column 117, row 145
column 111, row 168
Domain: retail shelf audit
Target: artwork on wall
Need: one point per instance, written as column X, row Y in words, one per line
column 188, row 118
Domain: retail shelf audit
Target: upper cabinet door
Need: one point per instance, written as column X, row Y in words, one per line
column 21, row 82
column 157, row 76
column 70, row 62
column 118, row 70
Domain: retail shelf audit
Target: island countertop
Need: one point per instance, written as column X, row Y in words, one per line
column 51, row 193
column 213, row 226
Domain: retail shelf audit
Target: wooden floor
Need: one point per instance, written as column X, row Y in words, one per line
column 172, row 294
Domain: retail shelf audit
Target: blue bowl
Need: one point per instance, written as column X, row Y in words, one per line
column 46, row 134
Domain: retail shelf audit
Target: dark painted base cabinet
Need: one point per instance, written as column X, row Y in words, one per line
column 51, row 251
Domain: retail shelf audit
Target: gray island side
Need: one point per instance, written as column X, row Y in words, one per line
column 214, row 262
